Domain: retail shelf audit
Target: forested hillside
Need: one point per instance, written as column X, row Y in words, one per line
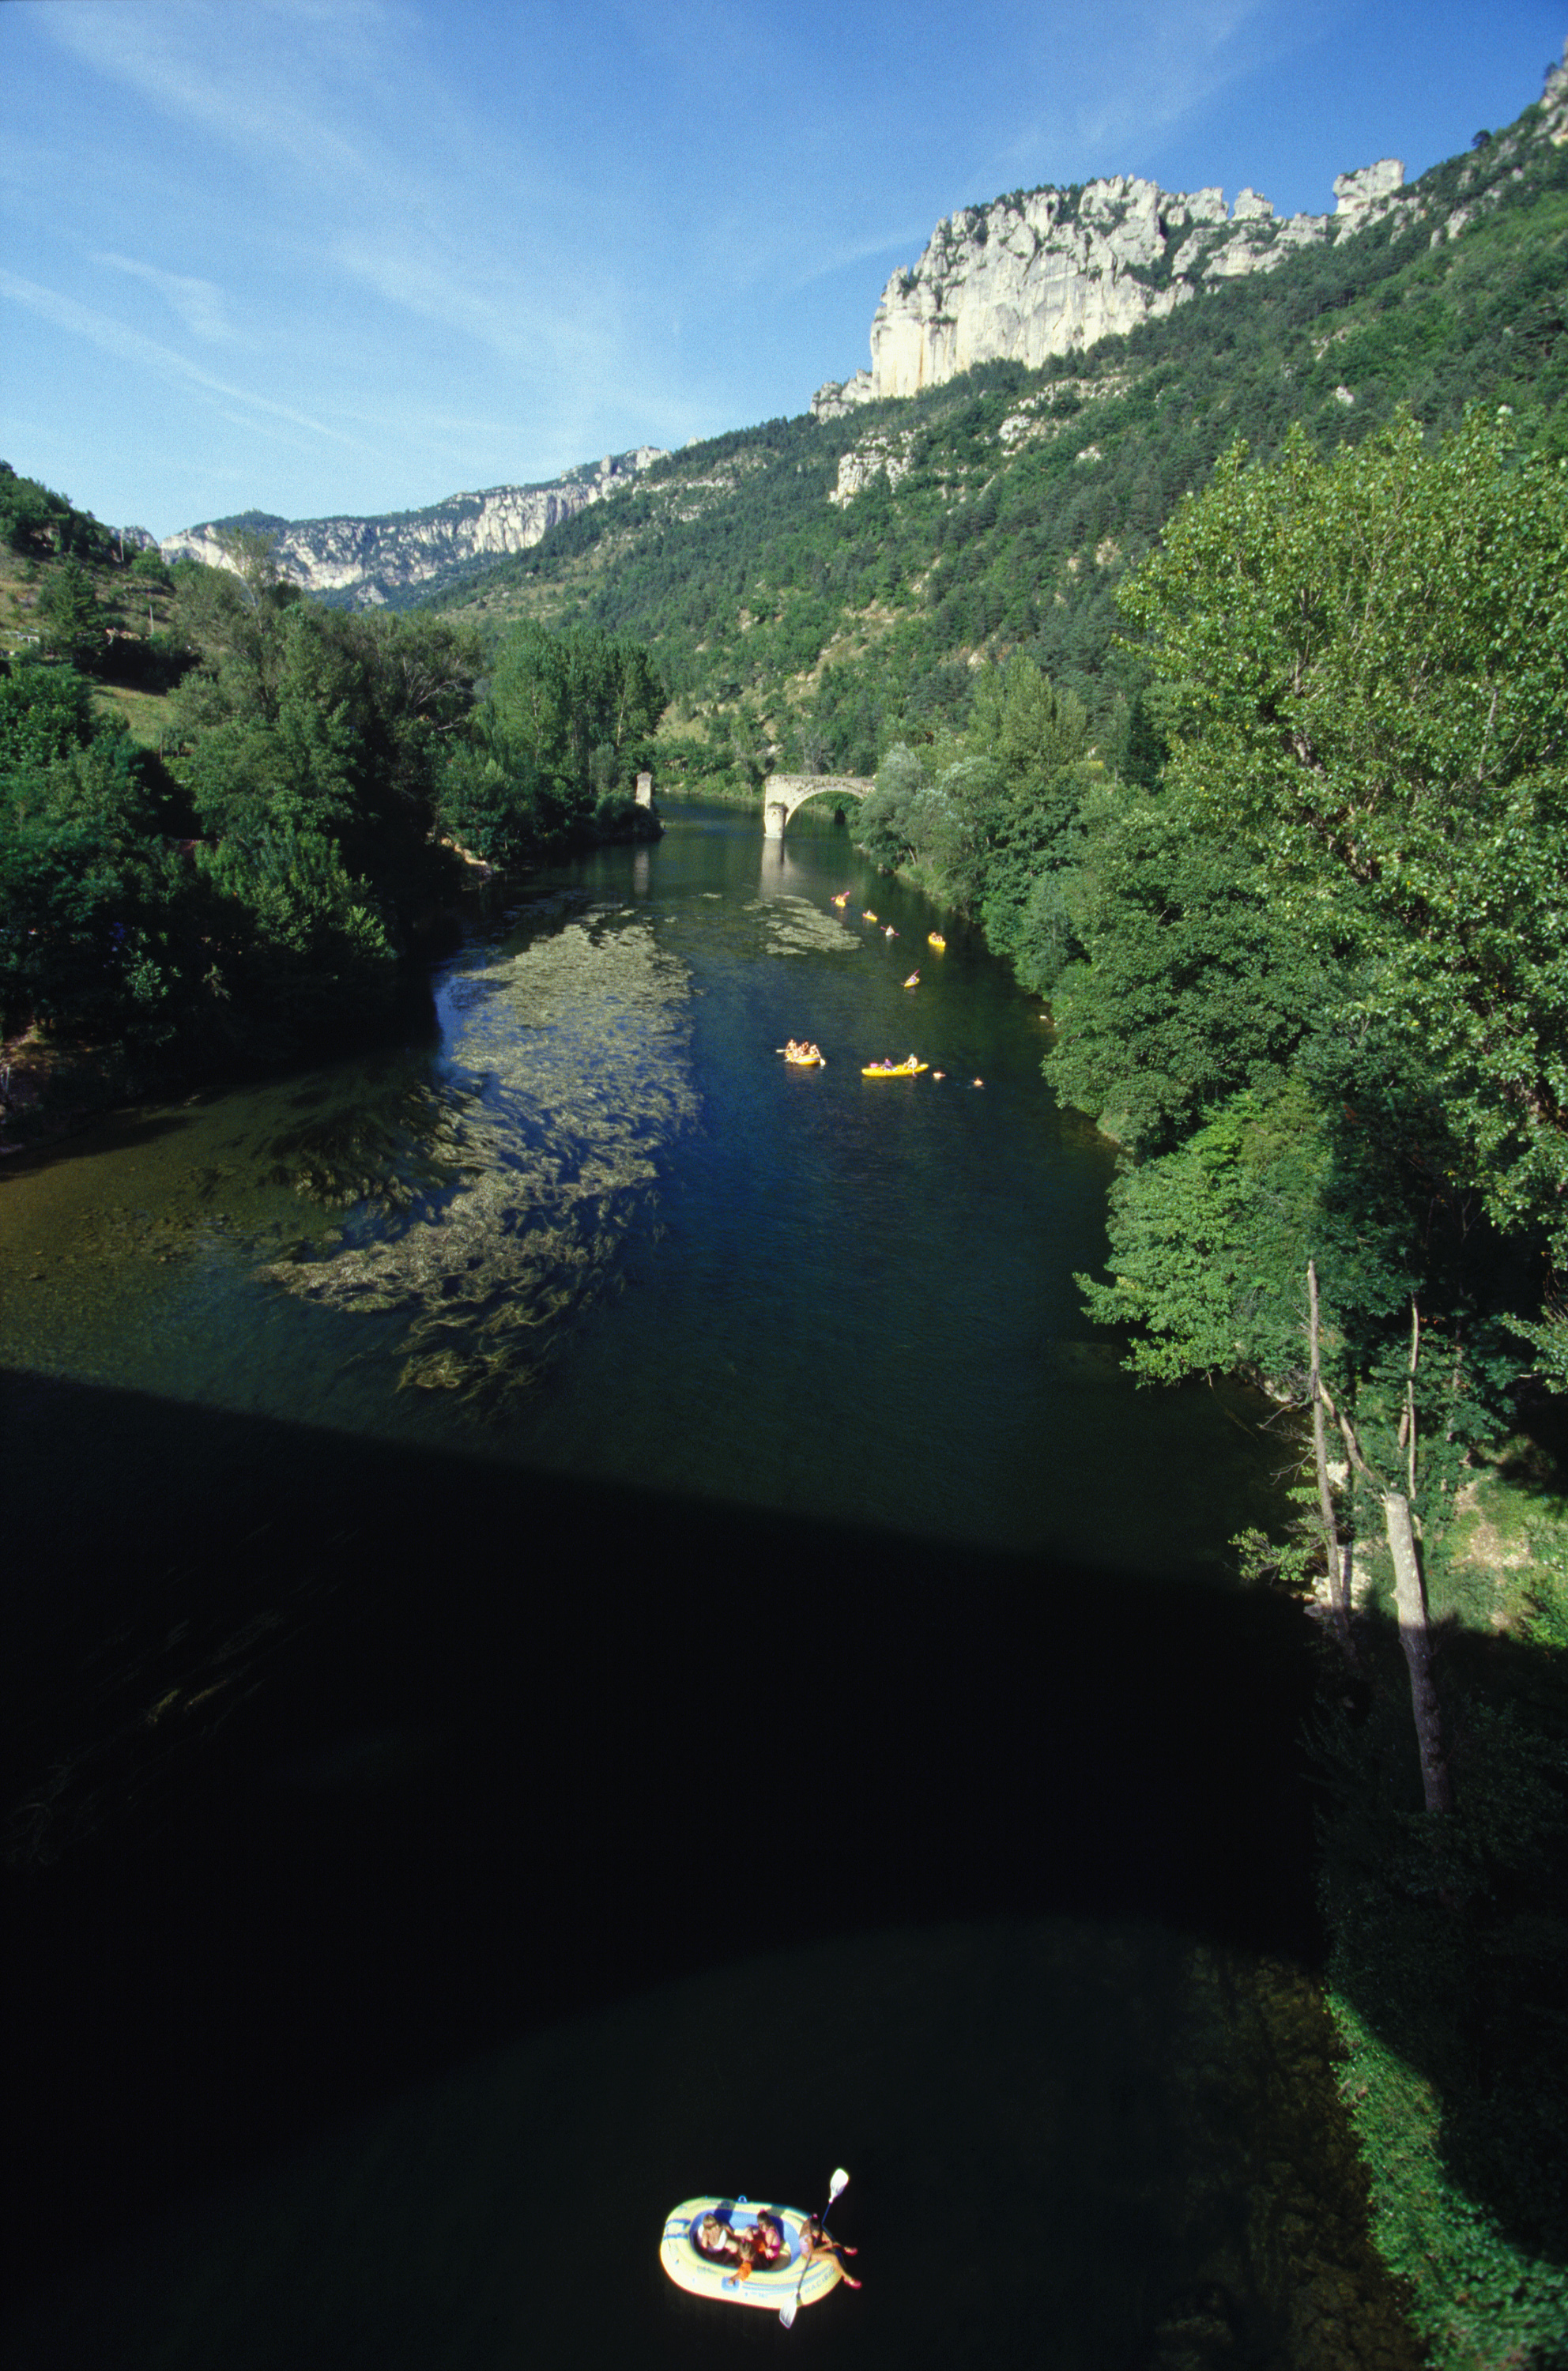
column 999, row 513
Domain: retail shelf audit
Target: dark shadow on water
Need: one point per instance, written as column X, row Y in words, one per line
column 336, row 1763
column 334, row 1766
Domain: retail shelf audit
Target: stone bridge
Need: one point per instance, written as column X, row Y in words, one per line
column 782, row 794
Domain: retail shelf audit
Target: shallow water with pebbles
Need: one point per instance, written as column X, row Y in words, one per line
column 475, row 1196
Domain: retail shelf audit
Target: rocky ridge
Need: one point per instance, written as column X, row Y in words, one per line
column 1039, row 273
column 374, row 560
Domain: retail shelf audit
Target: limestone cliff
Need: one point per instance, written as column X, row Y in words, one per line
column 1046, row 270
column 1036, row 274
column 372, row 560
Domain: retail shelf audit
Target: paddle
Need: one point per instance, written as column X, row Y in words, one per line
column 787, row 2310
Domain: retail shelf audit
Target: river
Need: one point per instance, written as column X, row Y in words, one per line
column 595, row 1624
column 592, row 1223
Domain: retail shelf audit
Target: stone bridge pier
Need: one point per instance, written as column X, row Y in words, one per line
column 782, row 794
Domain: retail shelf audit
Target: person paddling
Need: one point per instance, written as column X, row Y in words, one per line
column 816, row 2239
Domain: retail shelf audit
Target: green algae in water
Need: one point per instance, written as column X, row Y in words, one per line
column 579, row 1046
column 793, row 926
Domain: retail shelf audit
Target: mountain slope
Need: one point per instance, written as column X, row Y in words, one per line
column 815, row 587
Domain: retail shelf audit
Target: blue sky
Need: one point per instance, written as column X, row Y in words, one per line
column 349, row 256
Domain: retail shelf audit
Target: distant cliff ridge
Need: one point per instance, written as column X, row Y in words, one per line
column 1027, row 277
column 374, row 560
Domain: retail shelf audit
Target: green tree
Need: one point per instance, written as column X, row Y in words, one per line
column 332, row 724
column 1209, row 1245
column 85, row 884
column 44, row 712
column 68, row 617
column 1019, row 718
column 1370, row 661
column 1189, row 986
column 577, row 712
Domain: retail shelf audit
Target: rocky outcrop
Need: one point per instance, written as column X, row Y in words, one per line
column 1037, row 274
column 875, row 456
column 1554, row 102
column 375, row 559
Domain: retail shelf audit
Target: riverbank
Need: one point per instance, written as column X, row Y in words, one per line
column 1447, row 1931
column 54, row 1086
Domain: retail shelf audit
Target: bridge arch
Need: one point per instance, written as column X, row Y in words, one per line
column 782, row 794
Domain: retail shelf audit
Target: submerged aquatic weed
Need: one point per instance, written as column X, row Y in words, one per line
column 793, row 926
column 579, row 1045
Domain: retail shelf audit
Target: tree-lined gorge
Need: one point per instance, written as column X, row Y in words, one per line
column 1218, row 677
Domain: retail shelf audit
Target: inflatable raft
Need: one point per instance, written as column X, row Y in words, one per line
column 898, row 1070
column 935, row 939
column 806, row 1061
column 690, row 2268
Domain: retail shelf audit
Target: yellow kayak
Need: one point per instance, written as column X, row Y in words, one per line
column 893, row 1070
column 935, row 939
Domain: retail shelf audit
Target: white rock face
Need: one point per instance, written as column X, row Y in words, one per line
column 875, row 456
column 373, row 557
column 1028, row 277
column 1356, row 194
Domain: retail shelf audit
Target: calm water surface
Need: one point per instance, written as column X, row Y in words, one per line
column 596, row 1224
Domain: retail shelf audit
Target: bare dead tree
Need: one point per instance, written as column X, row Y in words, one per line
column 1338, row 1561
column 1409, row 1594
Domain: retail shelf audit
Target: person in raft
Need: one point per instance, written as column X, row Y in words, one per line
column 715, row 2238
column 815, row 2241
column 759, row 2249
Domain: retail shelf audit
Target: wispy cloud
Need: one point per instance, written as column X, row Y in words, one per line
column 200, row 304
column 252, row 81
column 130, row 346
